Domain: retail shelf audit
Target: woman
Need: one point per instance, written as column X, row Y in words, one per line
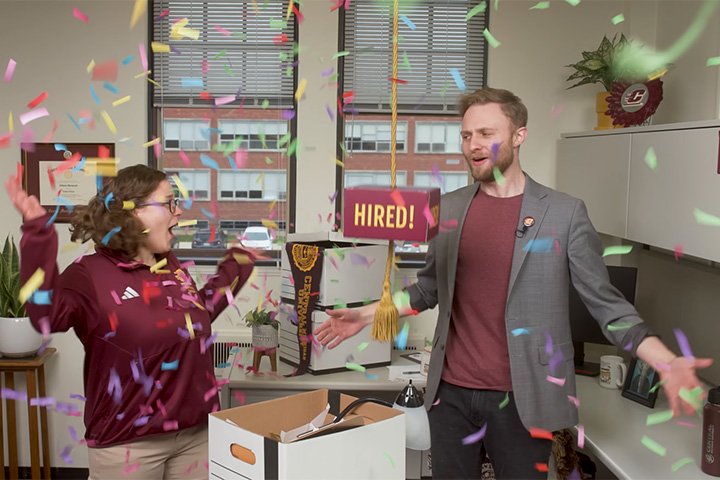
column 148, row 373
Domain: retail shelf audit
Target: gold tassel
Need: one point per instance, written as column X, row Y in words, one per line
column 385, row 324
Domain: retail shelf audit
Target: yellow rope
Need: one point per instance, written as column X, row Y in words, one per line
column 385, row 324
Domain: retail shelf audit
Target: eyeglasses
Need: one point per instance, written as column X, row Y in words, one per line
column 172, row 204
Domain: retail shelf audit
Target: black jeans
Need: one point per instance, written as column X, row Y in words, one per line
column 462, row 412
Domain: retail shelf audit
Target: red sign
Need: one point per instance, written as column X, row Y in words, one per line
column 391, row 214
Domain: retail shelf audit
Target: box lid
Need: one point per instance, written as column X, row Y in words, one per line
column 331, row 237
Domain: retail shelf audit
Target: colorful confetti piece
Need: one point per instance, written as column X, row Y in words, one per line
column 651, row 158
column 704, row 218
column 653, row 446
column 617, row 250
column 479, row 8
column 492, row 41
column 541, row 6
column 475, row 437
column 9, row 70
column 619, row 18
column 659, row 417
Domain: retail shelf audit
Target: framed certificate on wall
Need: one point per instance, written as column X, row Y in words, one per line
column 65, row 175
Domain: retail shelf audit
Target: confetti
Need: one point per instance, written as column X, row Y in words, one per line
column 408, row 22
column 505, row 401
column 480, row 8
column 538, row 245
column 492, row 41
column 497, row 174
column 619, row 18
column 9, row 70
column 402, row 337
column 170, row 365
column 651, row 158
column 28, row 117
column 109, row 122
column 540, row 433
column 154, row 268
column 37, row 101
column 387, row 455
column 191, row 82
column 704, row 218
column 32, row 284
column 354, row 366
column 541, row 6
column 555, row 380
column 475, row 437
column 617, row 250
column 712, row 62
column 574, row 3
column 683, row 343
column 363, row 346
column 574, row 401
column 581, row 436
column 681, row 463
column 458, row 79
column 189, row 325
column 678, row 252
column 519, row 331
column 109, row 235
column 300, row 89
column 106, row 71
column 692, row 397
column 138, row 9
column 659, row 417
column 653, row 446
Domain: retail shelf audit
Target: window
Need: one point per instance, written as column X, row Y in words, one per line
column 441, row 46
column 253, row 185
column 254, row 135
column 223, row 76
column 186, row 135
column 373, row 137
column 197, row 182
column 354, row 178
column 436, row 137
column 447, row 181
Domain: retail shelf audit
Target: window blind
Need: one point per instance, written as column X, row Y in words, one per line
column 242, row 48
column 435, row 39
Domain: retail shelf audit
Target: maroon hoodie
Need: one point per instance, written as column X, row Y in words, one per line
column 146, row 371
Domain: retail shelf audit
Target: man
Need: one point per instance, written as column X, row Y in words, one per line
column 501, row 283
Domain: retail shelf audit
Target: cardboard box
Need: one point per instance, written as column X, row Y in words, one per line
column 395, row 214
column 376, row 353
column 243, row 441
column 351, row 274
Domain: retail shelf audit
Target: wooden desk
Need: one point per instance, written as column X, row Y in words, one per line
column 35, row 387
column 615, row 425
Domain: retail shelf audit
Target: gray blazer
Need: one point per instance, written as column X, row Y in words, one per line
column 537, row 298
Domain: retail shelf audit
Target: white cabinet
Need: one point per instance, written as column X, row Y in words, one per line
column 662, row 200
column 627, row 198
column 595, row 169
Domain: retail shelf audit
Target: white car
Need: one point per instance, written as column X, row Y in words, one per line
column 256, row 237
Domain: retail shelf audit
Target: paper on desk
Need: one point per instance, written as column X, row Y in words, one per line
column 315, row 423
column 403, row 373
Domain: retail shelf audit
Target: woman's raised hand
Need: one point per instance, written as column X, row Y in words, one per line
column 28, row 205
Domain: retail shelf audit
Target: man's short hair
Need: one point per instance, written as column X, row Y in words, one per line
column 511, row 105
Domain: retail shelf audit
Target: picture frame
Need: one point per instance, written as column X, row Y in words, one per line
column 639, row 383
column 70, row 187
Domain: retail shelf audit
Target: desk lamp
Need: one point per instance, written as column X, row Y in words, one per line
column 409, row 401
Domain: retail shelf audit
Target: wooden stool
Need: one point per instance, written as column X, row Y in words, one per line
column 35, row 387
column 259, row 353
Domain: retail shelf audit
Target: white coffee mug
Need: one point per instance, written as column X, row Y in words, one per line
column 612, row 371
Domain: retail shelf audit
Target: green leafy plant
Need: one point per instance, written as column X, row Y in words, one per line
column 598, row 66
column 10, row 305
column 260, row 316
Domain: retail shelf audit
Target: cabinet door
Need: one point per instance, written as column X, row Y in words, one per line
column 595, row 169
column 662, row 201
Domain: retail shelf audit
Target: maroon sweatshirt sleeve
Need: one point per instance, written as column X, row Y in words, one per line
column 69, row 305
column 233, row 271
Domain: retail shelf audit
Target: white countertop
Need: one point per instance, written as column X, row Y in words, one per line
column 647, row 129
column 614, row 426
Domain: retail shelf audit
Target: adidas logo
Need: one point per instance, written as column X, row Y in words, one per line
column 129, row 293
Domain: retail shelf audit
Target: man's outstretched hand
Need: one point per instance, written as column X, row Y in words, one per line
column 344, row 323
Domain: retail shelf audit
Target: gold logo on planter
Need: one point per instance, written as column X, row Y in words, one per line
column 304, row 256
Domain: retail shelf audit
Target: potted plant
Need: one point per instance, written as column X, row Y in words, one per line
column 18, row 338
column 600, row 66
column 264, row 328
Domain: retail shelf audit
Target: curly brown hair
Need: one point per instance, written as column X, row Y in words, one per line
column 566, row 458
column 94, row 221
column 511, row 105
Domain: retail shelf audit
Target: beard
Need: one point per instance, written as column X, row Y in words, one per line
column 484, row 173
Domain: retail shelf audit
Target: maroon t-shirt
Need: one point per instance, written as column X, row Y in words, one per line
column 145, row 371
column 476, row 354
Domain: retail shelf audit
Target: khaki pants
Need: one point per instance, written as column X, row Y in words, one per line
column 175, row 455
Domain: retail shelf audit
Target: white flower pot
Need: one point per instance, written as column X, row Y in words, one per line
column 18, row 338
column 264, row 336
